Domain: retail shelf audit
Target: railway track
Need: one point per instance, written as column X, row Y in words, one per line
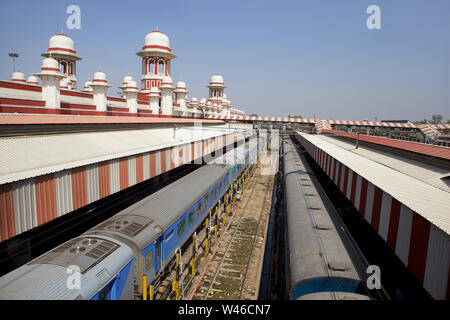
column 233, row 272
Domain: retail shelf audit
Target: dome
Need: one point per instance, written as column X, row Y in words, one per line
column 216, row 79
column 157, row 40
column 132, row 85
column 62, row 44
column 194, row 100
column 181, row 85
column 99, row 75
column 127, row 79
column 50, row 67
column 208, row 104
column 166, row 82
column 87, row 87
column 64, row 84
column 33, row 80
column 50, row 64
column 100, row 79
column 154, row 91
column 18, row 76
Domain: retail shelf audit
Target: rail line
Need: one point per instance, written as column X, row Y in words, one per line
column 229, row 277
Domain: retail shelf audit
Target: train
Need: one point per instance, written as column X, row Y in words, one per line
column 321, row 262
column 109, row 261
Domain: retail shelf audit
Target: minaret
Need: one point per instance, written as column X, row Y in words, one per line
column 154, row 98
column 156, row 62
column 100, row 86
column 50, row 77
column 216, row 88
column 166, row 96
column 131, row 92
column 62, row 49
column 125, row 82
column 181, row 94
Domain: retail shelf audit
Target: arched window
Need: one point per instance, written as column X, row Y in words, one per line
column 63, row 67
column 161, row 67
column 71, row 68
column 151, row 66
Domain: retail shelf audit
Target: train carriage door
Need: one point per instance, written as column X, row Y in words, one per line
column 149, row 265
column 158, row 253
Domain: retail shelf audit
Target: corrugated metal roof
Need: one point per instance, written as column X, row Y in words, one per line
column 26, row 157
column 430, row 202
column 422, row 171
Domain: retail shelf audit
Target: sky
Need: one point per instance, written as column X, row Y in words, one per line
column 314, row 58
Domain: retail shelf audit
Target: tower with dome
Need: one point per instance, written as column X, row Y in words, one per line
column 62, row 48
column 156, row 61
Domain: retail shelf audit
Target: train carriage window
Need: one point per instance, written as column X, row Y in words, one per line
column 191, row 217
column 211, row 196
column 216, row 191
column 181, row 227
column 148, row 260
column 199, row 208
column 205, row 199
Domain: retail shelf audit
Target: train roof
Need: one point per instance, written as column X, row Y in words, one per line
column 335, row 295
column 145, row 220
column 99, row 259
column 316, row 249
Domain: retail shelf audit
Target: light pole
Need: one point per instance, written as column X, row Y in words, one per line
column 14, row 56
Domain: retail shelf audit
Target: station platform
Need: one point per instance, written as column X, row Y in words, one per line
column 49, row 171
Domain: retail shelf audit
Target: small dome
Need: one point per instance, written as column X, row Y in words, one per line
column 181, row 85
column 50, row 64
column 18, row 76
column 33, row 80
column 87, row 87
column 99, row 75
column 61, row 43
column 127, row 79
column 131, row 85
column 167, row 82
column 194, row 100
column 209, row 104
column 216, row 79
column 203, row 100
column 157, row 40
column 154, row 91
column 64, row 84
column 100, row 79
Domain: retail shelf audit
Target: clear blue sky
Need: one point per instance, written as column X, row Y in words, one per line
column 311, row 57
